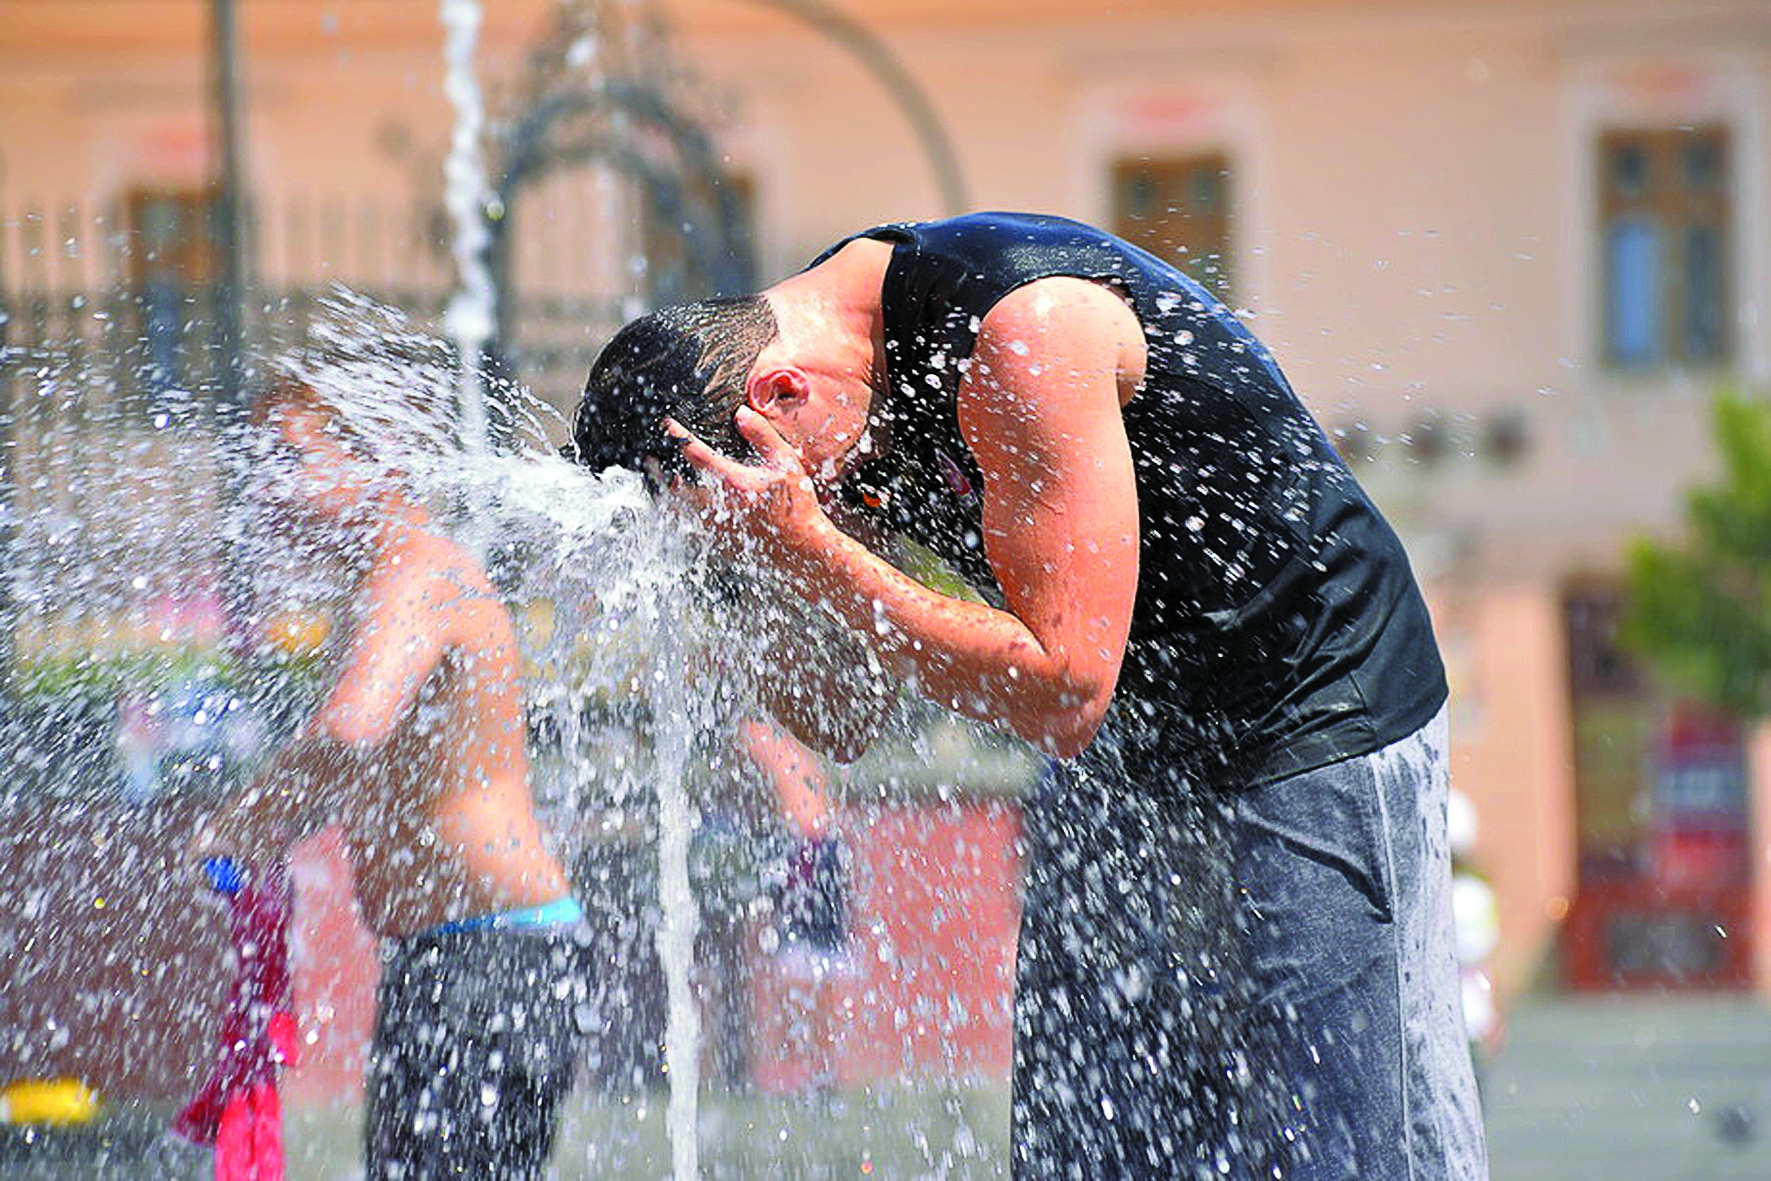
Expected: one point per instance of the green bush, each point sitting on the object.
(1700, 610)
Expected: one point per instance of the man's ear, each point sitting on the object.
(778, 388)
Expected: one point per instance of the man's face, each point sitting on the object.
(834, 418)
(820, 413)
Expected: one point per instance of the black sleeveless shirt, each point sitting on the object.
(1277, 625)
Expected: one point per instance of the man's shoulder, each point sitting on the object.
(1055, 300)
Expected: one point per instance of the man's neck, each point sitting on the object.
(833, 312)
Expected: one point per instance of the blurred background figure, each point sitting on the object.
(417, 752)
(1476, 920)
(807, 929)
(771, 885)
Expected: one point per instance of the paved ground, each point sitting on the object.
(900, 1133)
(1592, 1090)
(1607, 1089)
(1618, 1089)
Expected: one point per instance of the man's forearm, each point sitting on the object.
(970, 657)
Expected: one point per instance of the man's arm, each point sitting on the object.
(1040, 409)
(822, 682)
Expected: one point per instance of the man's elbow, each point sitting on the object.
(847, 751)
(1067, 725)
(846, 742)
(1067, 738)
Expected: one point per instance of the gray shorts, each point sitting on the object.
(1347, 871)
(1260, 984)
(477, 1037)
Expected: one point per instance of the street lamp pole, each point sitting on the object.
(229, 219)
(879, 60)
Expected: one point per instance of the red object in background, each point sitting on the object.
(1690, 858)
(928, 986)
(1671, 910)
(1644, 935)
(237, 1109)
(249, 1136)
(1699, 837)
(113, 973)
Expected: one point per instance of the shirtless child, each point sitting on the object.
(418, 754)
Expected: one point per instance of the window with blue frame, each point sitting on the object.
(1665, 226)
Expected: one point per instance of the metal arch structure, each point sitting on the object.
(631, 121)
(878, 59)
(600, 90)
(535, 148)
(532, 151)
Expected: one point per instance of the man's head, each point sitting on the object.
(800, 369)
(691, 362)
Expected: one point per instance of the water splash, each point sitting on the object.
(117, 562)
(597, 549)
(676, 940)
(472, 313)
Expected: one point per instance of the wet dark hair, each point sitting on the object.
(689, 362)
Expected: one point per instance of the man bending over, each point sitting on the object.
(1235, 955)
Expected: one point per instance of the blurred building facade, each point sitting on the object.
(1505, 250)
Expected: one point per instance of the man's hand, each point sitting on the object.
(819, 682)
(773, 503)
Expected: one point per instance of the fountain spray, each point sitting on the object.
(469, 324)
(473, 309)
